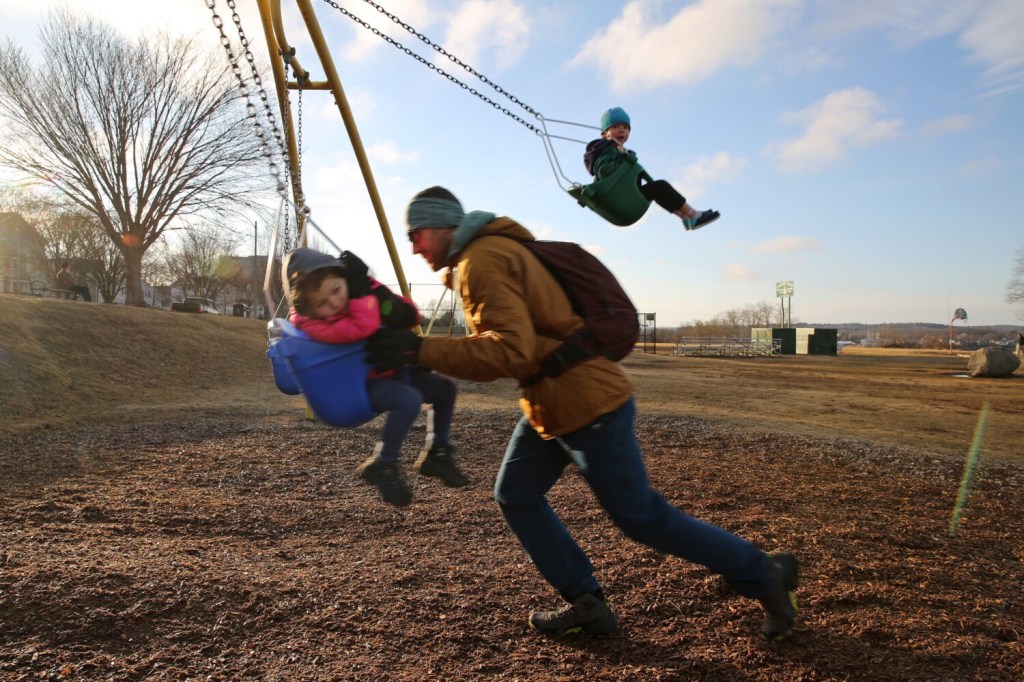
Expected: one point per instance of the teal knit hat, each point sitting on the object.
(433, 208)
(613, 116)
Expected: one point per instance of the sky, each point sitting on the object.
(869, 152)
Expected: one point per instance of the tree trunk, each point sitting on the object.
(133, 283)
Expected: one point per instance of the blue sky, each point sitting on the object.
(868, 151)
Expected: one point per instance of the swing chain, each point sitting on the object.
(440, 50)
(251, 109)
(298, 143)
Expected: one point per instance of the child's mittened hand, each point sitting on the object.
(392, 348)
(353, 264)
(358, 286)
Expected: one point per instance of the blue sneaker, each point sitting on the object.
(701, 219)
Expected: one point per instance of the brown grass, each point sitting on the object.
(67, 363)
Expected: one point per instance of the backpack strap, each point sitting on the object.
(575, 349)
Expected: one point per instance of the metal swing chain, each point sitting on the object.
(298, 154)
(251, 110)
(294, 174)
(432, 67)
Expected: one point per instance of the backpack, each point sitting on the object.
(610, 324)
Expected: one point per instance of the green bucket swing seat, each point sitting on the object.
(616, 198)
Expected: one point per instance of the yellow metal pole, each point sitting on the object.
(324, 53)
(274, 48)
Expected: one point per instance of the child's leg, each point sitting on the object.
(439, 392)
(402, 404)
(437, 457)
(664, 195)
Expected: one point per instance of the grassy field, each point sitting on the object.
(72, 363)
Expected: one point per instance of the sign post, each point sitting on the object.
(784, 291)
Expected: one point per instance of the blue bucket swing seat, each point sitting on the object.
(616, 198)
(332, 377)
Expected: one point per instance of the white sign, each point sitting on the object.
(784, 289)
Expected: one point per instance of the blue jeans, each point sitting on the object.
(401, 400)
(608, 456)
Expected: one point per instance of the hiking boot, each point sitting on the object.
(439, 462)
(780, 606)
(701, 219)
(387, 476)
(587, 614)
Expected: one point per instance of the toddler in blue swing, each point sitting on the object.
(334, 300)
(605, 154)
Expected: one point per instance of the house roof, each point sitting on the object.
(14, 228)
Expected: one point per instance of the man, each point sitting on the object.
(66, 281)
(515, 310)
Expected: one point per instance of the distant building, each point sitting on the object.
(21, 247)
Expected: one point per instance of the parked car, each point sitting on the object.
(193, 304)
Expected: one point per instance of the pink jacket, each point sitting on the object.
(358, 322)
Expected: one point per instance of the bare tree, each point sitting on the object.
(138, 134)
(201, 263)
(759, 314)
(1015, 287)
(110, 273)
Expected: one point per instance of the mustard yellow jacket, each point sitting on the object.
(507, 297)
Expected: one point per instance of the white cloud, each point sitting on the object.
(989, 30)
(501, 26)
(738, 271)
(995, 39)
(905, 23)
(843, 119)
(984, 166)
(387, 152)
(708, 170)
(359, 100)
(415, 13)
(641, 50)
(789, 245)
(133, 18)
(949, 124)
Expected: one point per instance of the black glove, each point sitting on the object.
(392, 348)
(358, 287)
(395, 312)
(356, 274)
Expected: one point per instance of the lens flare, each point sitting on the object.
(969, 465)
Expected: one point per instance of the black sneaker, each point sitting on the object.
(439, 462)
(388, 478)
(780, 607)
(703, 218)
(587, 614)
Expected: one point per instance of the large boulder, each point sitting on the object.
(992, 362)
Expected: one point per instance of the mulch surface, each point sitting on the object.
(236, 546)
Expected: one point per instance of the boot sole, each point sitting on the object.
(791, 570)
(395, 496)
(427, 469)
(597, 628)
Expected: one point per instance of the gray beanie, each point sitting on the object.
(299, 263)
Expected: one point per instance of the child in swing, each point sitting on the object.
(605, 154)
(334, 300)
